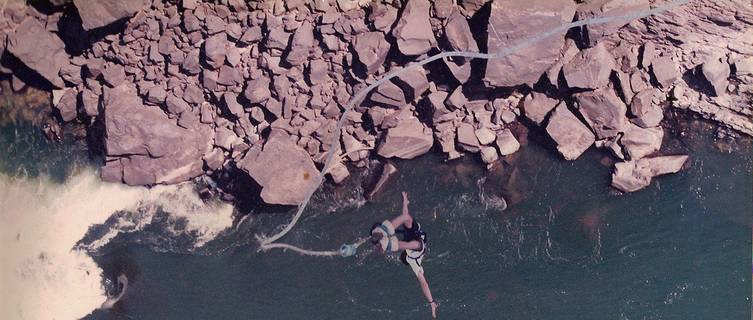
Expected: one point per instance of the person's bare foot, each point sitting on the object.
(434, 309)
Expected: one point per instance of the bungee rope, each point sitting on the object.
(347, 250)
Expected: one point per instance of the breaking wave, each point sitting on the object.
(44, 274)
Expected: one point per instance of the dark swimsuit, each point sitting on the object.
(411, 234)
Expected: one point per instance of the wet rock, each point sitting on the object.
(647, 114)
(571, 136)
(603, 111)
(215, 49)
(95, 14)
(65, 102)
(372, 49)
(513, 21)
(639, 142)
(157, 150)
(409, 139)
(605, 8)
(665, 71)
(507, 143)
(459, 33)
(635, 175)
(38, 49)
(537, 106)
(283, 170)
(716, 72)
(590, 69)
(413, 30)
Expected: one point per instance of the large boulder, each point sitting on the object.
(639, 142)
(95, 14)
(590, 69)
(413, 30)
(372, 49)
(514, 21)
(635, 175)
(716, 72)
(571, 136)
(153, 148)
(409, 139)
(38, 49)
(604, 8)
(603, 111)
(459, 33)
(283, 170)
(647, 113)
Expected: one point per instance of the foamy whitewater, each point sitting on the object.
(42, 275)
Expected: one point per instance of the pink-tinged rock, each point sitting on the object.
(372, 49)
(537, 106)
(303, 42)
(485, 136)
(514, 21)
(215, 49)
(283, 170)
(571, 136)
(158, 150)
(590, 69)
(382, 17)
(413, 30)
(257, 91)
(603, 111)
(605, 8)
(95, 14)
(338, 172)
(488, 154)
(666, 71)
(467, 139)
(716, 72)
(409, 139)
(639, 142)
(390, 94)
(89, 102)
(112, 171)
(176, 105)
(635, 175)
(459, 33)
(416, 82)
(647, 113)
(38, 49)
(278, 39)
(507, 143)
(113, 75)
(65, 102)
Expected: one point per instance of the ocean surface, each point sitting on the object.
(567, 247)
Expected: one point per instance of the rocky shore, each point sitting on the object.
(178, 89)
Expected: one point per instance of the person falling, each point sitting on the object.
(412, 247)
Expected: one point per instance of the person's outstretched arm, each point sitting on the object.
(427, 293)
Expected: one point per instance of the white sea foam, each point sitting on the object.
(41, 275)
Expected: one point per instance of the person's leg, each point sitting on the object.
(404, 218)
(413, 245)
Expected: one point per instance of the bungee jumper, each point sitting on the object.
(412, 247)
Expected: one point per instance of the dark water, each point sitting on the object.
(566, 248)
